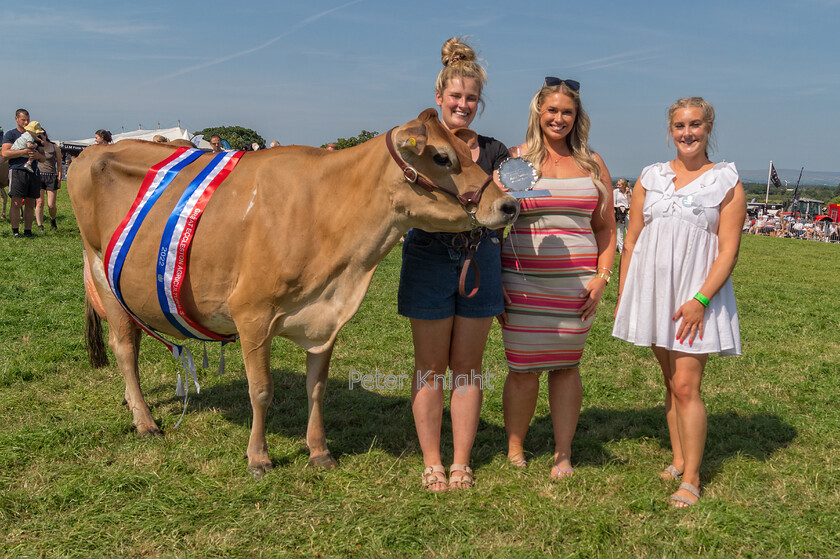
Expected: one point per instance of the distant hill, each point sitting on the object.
(816, 178)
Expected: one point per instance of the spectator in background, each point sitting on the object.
(24, 187)
(158, 139)
(215, 143)
(819, 231)
(4, 183)
(51, 173)
(274, 144)
(102, 137)
(31, 138)
(621, 203)
(785, 229)
(332, 147)
(4, 180)
(809, 230)
(769, 226)
(758, 226)
(255, 146)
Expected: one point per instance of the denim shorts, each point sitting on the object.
(431, 270)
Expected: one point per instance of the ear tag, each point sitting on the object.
(412, 142)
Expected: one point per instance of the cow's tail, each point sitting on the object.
(94, 337)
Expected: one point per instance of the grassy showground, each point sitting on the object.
(76, 481)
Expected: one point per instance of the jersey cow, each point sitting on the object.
(286, 246)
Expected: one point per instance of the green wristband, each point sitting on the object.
(702, 298)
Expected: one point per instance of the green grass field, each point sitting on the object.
(76, 481)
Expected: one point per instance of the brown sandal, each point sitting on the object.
(433, 475)
(466, 478)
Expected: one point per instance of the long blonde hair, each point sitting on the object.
(460, 61)
(576, 140)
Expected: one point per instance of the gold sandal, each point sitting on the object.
(466, 478)
(433, 475)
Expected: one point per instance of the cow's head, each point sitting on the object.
(441, 188)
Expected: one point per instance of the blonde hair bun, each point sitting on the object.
(455, 50)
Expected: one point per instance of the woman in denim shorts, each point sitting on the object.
(450, 331)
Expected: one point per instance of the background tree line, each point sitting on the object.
(242, 138)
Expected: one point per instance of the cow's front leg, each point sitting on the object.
(317, 368)
(261, 390)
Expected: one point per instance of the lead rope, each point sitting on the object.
(471, 246)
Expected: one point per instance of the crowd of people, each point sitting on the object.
(679, 230)
(35, 172)
(825, 231)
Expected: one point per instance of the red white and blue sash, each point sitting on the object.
(175, 243)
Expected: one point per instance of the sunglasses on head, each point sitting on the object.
(551, 81)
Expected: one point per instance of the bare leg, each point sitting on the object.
(664, 358)
(5, 200)
(28, 213)
(469, 336)
(431, 358)
(51, 204)
(317, 369)
(15, 211)
(39, 209)
(691, 414)
(686, 377)
(519, 400)
(565, 395)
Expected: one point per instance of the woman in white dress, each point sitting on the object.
(675, 293)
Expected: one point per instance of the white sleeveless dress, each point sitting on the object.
(671, 260)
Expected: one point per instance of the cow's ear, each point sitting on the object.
(467, 136)
(411, 137)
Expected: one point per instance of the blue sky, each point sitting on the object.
(309, 72)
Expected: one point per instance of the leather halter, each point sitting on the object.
(468, 200)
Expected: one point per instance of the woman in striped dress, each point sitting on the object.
(556, 262)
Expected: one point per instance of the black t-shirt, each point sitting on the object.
(17, 162)
(492, 153)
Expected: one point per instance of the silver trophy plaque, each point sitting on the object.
(519, 176)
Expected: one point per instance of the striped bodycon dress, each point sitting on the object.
(547, 260)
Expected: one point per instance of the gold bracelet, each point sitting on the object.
(603, 276)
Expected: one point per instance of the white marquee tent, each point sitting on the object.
(169, 133)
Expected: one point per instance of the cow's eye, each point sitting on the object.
(442, 160)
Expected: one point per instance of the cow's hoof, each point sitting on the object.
(323, 461)
(260, 470)
(148, 430)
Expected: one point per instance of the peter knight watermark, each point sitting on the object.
(430, 380)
